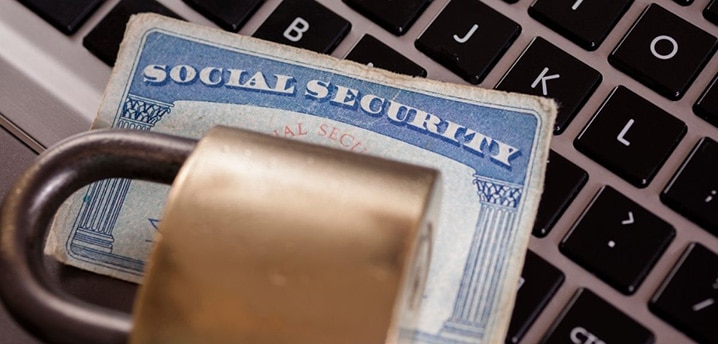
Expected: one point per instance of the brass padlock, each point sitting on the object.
(264, 241)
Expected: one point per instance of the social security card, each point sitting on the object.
(491, 148)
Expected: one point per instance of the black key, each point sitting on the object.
(618, 240)
(693, 190)
(511, 1)
(545, 70)
(684, 2)
(586, 23)
(711, 12)
(227, 14)
(688, 298)
(562, 183)
(67, 16)
(589, 319)
(304, 24)
(630, 136)
(539, 282)
(707, 105)
(663, 51)
(104, 40)
(370, 51)
(396, 16)
(468, 37)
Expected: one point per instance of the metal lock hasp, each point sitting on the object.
(264, 240)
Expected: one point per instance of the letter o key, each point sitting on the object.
(664, 56)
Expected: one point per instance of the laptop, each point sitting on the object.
(625, 248)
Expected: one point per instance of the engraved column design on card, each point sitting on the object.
(474, 301)
(92, 233)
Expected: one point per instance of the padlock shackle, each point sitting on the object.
(29, 207)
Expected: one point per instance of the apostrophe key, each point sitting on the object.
(547, 71)
(104, 40)
(370, 51)
(618, 240)
(590, 319)
(468, 38)
(67, 16)
(688, 298)
(693, 190)
(562, 183)
(304, 24)
(539, 282)
(630, 136)
(663, 51)
(586, 23)
(396, 16)
(229, 15)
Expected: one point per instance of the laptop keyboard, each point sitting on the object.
(624, 249)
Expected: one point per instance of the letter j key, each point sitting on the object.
(664, 52)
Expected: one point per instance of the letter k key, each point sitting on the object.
(545, 70)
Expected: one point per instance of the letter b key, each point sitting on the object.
(664, 52)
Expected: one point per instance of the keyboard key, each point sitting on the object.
(396, 16)
(104, 40)
(711, 12)
(630, 136)
(227, 14)
(618, 240)
(539, 282)
(468, 38)
(562, 183)
(693, 190)
(684, 2)
(589, 319)
(707, 105)
(67, 16)
(304, 24)
(688, 298)
(545, 70)
(586, 23)
(663, 51)
(370, 51)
